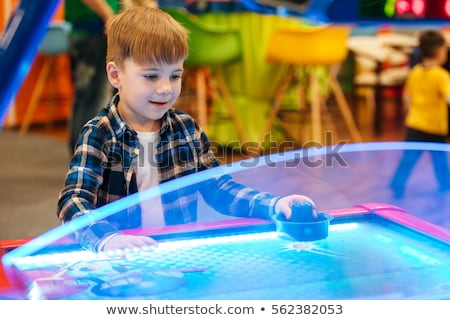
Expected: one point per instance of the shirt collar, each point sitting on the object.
(120, 126)
(166, 122)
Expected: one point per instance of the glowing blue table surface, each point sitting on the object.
(369, 254)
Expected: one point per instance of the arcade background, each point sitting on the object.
(32, 166)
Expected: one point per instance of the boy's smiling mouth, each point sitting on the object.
(159, 103)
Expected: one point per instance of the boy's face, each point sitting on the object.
(146, 92)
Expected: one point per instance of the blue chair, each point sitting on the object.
(55, 42)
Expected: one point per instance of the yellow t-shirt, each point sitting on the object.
(428, 88)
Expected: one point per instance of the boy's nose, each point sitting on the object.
(164, 87)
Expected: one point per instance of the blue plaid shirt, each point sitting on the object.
(102, 170)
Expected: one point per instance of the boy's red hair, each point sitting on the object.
(147, 36)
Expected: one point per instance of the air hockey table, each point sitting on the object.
(373, 251)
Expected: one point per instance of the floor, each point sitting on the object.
(33, 169)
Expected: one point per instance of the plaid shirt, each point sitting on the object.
(103, 168)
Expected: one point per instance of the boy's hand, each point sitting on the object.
(123, 242)
(284, 204)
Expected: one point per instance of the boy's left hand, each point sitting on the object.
(128, 242)
(284, 204)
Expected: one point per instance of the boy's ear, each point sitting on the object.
(112, 72)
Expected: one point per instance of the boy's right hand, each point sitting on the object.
(123, 241)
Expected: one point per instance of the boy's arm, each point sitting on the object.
(84, 176)
(79, 195)
(446, 87)
(226, 195)
(232, 198)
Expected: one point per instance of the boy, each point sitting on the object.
(426, 96)
(145, 54)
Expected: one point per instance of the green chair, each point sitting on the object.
(210, 46)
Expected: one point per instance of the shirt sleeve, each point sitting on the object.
(226, 195)
(407, 85)
(205, 155)
(444, 83)
(229, 197)
(79, 195)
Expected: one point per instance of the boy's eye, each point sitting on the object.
(151, 76)
(176, 76)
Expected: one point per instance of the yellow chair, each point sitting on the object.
(311, 46)
(210, 47)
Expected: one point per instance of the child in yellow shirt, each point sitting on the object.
(426, 97)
